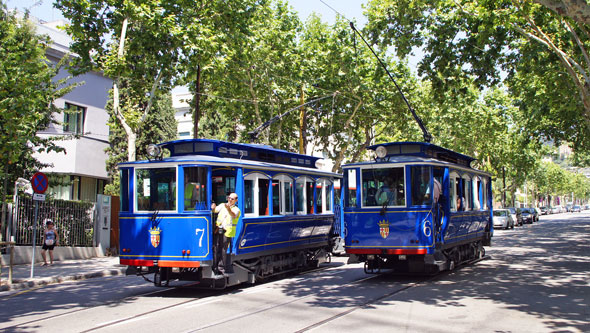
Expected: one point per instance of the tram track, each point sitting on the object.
(242, 315)
(203, 299)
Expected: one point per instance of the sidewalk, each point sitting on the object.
(61, 271)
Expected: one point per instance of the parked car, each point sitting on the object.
(503, 219)
(586, 207)
(555, 209)
(568, 207)
(527, 215)
(544, 210)
(515, 218)
(577, 209)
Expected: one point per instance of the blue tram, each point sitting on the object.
(417, 208)
(288, 209)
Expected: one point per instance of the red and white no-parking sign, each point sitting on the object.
(39, 182)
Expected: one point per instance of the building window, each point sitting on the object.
(74, 118)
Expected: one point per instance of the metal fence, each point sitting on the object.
(73, 221)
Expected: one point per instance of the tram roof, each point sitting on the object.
(420, 151)
(218, 151)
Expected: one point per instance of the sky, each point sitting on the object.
(351, 9)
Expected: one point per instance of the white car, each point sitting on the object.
(503, 219)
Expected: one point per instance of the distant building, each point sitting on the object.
(80, 173)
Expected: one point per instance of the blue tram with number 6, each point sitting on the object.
(288, 209)
(417, 208)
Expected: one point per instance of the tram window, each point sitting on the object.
(156, 189)
(304, 189)
(256, 186)
(328, 195)
(276, 197)
(319, 190)
(300, 196)
(383, 187)
(248, 196)
(324, 196)
(309, 197)
(263, 196)
(282, 195)
(350, 188)
(484, 195)
(124, 190)
(467, 192)
(476, 193)
(195, 189)
(222, 187)
(421, 188)
(453, 194)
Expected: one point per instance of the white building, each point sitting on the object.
(82, 168)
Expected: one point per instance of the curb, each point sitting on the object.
(20, 284)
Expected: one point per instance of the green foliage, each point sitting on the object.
(538, 53)
(27, 93)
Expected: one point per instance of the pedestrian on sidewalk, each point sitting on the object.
(50, 239)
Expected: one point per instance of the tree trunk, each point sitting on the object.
(4, 186)
(197, 104)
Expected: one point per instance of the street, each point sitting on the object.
(535, 278)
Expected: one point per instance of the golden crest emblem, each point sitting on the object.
(384, 228)
(155, 236)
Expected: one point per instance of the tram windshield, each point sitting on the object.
(155, 189)
(383, 187)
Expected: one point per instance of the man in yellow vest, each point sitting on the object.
(227, 220)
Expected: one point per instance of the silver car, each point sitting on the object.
(503, 219)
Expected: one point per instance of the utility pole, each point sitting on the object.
(302, 124)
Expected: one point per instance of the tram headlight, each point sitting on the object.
(154, 151)
(381, 151)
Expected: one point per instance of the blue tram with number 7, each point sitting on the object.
(416, 208)
(288, 209)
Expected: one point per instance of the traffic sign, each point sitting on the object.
(39, 182)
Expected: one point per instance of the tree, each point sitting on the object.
(149, 44)
(160, 126)
(27, 93)
(539, 48)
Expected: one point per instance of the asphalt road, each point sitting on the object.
(535, 278)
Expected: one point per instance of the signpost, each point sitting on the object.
(39, 183)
